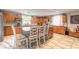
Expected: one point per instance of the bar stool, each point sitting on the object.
(41, 35)
(46, 30)
(22, 42)
(33, 38)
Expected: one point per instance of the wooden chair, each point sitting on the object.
(22, 43)
(33, 38)
(46, 30)
(41, 35)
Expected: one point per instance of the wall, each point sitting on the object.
(57, 20)
(1, 27)
(72, 26)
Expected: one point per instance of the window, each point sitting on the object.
(57, 20)
(26, 20)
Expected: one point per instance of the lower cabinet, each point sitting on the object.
(74, 34)
(59, 29)
(8, 30)
(18, 29)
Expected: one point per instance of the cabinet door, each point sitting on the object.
(8, 30)
(18, 30)
(35, 19)
(40, 19)
(61, 30)
(55, 29)
(9, 17)
(45, 19)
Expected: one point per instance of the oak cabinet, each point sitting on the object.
(35, 19)
(45, 19)
(8, 30)
(39, 19)
(55, 29)
(59, 29)
(74, 34)
(9, 18)
(18, 29)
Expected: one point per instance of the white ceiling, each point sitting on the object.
(42, 12)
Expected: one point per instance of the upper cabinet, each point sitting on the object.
(35, 19)
(40, 19)
(46, 19)
(10, 17)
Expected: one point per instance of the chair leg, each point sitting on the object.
(37, 44)
(29, 43)
(46, 37)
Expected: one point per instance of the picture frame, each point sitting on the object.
(74, 19)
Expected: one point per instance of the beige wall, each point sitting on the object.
(72, 26)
